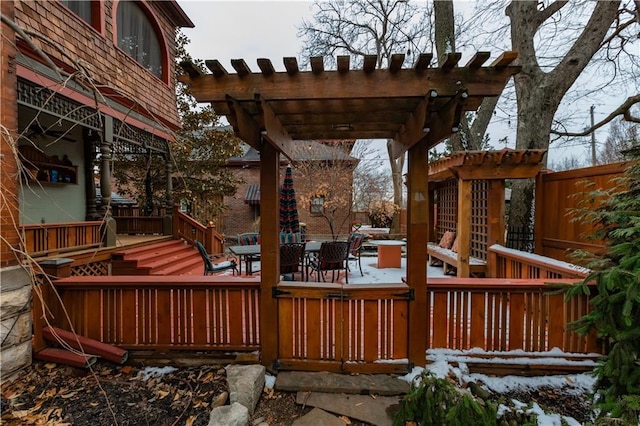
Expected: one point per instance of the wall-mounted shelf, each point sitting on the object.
(47, 169)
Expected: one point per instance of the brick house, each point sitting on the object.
(243, 209)
(81, 80)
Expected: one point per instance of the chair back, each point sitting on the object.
(291, 257)
(333, 255)
(249, 239)
(355, 243)
(208, 264)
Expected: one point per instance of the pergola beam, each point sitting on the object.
(353, 84)
(276, 134)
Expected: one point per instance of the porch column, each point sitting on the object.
(109, 233)
(417, 237)
(270, 252)
(89, 138)
(169, 171)
(464, 227)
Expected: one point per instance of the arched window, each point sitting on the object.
(137, 37)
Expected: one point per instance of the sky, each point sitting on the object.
(249, 30)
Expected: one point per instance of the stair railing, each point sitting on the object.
(186, 227)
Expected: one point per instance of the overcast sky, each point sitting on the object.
(248, 30)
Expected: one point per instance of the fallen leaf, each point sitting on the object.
(190, 421)
(126, 369)
(163, 394)
(345, 419)
(50, 365)
(373, 396)
(68, 395)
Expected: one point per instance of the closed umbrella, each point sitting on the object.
(289, 221)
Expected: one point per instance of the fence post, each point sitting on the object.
(44, 300)
(209, 239)
(538, 218)
(176, 222)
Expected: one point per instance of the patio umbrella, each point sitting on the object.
(289, 221)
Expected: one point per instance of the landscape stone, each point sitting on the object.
(362, 384)
(235, 414)
(369, 409)
(318, 417)
(246, 383)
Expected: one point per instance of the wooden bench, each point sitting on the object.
(449, 260)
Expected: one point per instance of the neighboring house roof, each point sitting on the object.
(302, 151)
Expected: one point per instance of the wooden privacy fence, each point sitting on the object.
(52, 238)
(162, 312)
(503, 314)
(557, 194)
(510, 263)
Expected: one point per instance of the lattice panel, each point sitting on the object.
(91, 269)
(447, 219)
(479, 218)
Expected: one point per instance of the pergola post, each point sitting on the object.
(464, 227)
(269, 252)
(496, 212)
(417, 236)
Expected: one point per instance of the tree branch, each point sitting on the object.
(624, 109)
(548, 11)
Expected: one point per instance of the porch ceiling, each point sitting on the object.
(407, 105)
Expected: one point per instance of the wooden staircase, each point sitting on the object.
(175, 257)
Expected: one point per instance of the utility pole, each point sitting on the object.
(593, 139)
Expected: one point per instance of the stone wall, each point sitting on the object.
(15, 320)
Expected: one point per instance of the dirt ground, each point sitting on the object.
(53, 394)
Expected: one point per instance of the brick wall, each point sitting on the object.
(239, 216)
(108, 64)
(8, 161)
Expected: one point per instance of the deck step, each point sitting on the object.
(136, 252)
(165, 258)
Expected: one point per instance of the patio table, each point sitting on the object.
(389, 253)
(254, 249)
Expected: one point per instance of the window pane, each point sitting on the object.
(80, 8)
(137, 37)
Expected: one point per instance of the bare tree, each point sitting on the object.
(371, 182)
(325, 177)
(567, 163)
(622, 136)
(539, 90)
(380, 27)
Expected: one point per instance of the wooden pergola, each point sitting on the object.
(416, 107)
(471, 197)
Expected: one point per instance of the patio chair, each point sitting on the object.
(331, 257)
(212, 268)
(292, 259)
(249, 239)
(355, 249)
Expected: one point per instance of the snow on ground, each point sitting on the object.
(571, 383)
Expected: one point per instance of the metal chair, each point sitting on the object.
(331, 257)
(212, 268)
(355, 249)
(292, 259)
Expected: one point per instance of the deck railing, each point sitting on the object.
(329, 326)
(187, 228)
(52, 238)
(162, 312)
(504, 262)
(505, 314)
(139, 225)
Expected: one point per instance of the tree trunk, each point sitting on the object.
(539, 93)
(396, 174)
